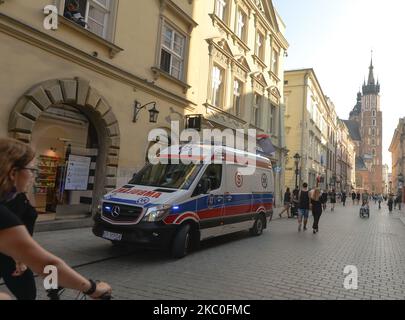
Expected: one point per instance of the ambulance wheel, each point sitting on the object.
(258, 227)
(182, 242)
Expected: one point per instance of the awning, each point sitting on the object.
(265, 146)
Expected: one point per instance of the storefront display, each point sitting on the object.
(45, 193)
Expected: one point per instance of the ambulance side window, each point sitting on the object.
(210, 181)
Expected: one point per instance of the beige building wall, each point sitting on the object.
(306, 127)
(397, 149)
(104, 75)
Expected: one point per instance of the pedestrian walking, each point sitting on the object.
(17, 277)
(324, 199)
(303, 207)
(344, 197)
(316, 205)
(287, 203)
(399, 202)
(354, 197)
(380, 200)
(16, 167)
(358, 197)
(365, 197)
(390, 202)
(295, 202)
(333, 199)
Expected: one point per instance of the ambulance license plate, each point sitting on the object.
(112, 236)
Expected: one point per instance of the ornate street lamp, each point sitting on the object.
(297, 159)
(153, 113)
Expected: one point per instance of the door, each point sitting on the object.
(238, 201)
(210, 203)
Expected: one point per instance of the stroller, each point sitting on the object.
(365, 210)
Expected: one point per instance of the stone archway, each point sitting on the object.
(78, 93)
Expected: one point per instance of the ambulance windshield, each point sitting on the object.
(172, 176)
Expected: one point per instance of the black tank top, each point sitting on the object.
(304, 200)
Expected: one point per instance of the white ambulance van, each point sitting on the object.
(177, 205)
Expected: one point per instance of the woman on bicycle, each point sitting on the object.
(16, 173)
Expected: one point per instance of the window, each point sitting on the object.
(241, 25)
(374, 113)
(217, 86)
(274, 63)
(212, 179)
(220, 9)
(373, 142)
(373, 132)
(256, 117)
(374, 153)
(272, 126)
(374, 122)
(260, 45)
(93, 15)
(237, 97)
(172, 53)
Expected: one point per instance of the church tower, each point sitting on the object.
(372, 132)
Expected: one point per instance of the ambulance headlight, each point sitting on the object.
(157, 213)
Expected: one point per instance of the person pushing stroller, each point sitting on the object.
(365, 208)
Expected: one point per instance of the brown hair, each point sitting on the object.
(316, 194)
(13, 154)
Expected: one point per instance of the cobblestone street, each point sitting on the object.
(282, 264)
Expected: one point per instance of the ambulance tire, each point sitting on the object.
(182, 242)
(259, 225)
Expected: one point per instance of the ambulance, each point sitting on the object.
(174, 204)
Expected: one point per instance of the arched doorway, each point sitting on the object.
(70, 123)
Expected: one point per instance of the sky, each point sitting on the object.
(336, 37)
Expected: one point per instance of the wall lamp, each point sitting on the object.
(153, 113)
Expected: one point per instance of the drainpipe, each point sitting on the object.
(303, 122)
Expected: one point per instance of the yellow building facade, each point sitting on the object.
(397, 149)
(93, 83)
(306, 128)
(315, 134)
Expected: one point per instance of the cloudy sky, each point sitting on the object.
(336, 37)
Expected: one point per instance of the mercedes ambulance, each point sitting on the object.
(174, 205)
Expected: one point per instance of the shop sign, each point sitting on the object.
(77, 174)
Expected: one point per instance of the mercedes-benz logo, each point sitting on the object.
(116, 211)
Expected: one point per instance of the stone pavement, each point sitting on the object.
(281, 264)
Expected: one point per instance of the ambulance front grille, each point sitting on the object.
(121, 213)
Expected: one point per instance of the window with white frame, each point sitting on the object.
(272, 126)
(93, 15)
(260, 45)
(257, 105)
(374, 114)
(241, 25)
(237, 97)
(172, 52)
(220, 9)
(374, 122)
(274, 63)
(217, 86)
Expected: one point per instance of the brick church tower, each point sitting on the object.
(371, 132)
(365, 126)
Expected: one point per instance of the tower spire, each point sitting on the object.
(371, 80)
